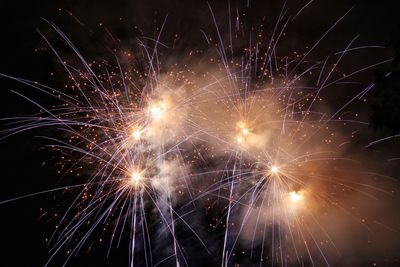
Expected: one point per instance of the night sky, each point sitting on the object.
(28, 168)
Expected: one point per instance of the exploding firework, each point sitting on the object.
(250, 132)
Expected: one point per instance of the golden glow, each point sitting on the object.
(157, 111)
(241, 124)
(295, 196)
(274, 169)
(245, 131)
(136, 134)
(136, 177)
(243, 128)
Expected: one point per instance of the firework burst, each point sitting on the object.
(249, 132)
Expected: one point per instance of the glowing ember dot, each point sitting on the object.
(239, 139)
(295, 197)
(274, 169)
(135, 177)
(245, 131)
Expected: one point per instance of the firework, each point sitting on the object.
(251, 133)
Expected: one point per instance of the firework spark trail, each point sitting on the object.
(113, 153)
(255, 114)
(322, 83)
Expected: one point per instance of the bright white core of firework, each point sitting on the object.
(274, 169)
(136, 134)
(295, 197)
(136, 177)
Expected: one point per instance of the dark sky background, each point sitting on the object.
(26, 168)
